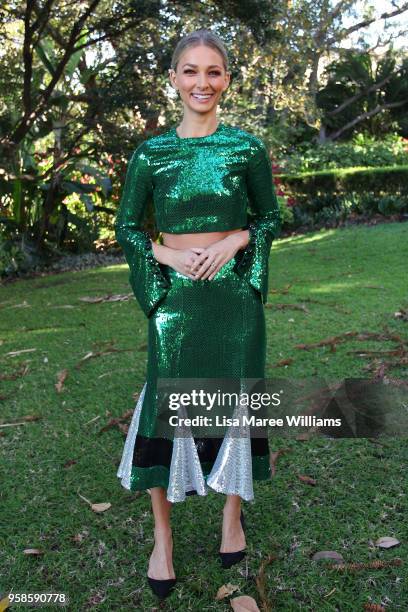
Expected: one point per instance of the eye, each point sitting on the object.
(216, 72)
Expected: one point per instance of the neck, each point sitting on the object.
(193, 127)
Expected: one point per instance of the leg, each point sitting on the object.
(233, 537)
(161, 560)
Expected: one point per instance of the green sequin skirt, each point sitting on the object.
(201, 329)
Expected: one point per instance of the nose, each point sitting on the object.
(202, 81)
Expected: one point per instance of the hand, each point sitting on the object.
(183, 259)
(216, 255)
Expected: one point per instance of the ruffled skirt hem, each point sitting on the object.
(232, 472)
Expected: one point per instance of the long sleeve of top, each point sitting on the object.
(265, 220)
(212, 183)
(146, 277)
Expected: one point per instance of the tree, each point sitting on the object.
(359, 91)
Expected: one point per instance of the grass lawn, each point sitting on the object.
(352, 279)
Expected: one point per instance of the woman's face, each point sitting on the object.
(200, 70)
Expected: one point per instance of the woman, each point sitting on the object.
(203, 291)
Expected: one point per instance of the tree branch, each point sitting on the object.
(363, 24)
(360, 94)
(367, 115)
(27, 121)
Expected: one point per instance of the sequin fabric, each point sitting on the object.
(125, 468)
(198, 328)
(222, 181)
(202, 329)
(231, 473)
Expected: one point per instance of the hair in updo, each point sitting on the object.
(199, 37)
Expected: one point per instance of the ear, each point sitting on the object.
(228, 75)
(171, 78)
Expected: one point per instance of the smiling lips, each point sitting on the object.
(201, 97)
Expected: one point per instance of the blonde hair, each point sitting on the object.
(200, 37)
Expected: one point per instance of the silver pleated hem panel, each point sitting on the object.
(231, 473)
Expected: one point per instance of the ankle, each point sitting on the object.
(232, 510)
(163, 532)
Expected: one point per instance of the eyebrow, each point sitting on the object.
(195, 65)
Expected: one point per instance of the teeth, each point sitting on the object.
(201, 96)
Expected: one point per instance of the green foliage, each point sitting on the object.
(105, 97)
(327, 183)
(359, 88)
(329, 209)
(362, 150)
(391, 204)
(12, 258)
(285, 210)
(81, 234)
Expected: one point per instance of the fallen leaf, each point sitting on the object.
(101, 507)
(96, 507)
(244, 603)
(387, 542)
(61, 377)
(225, 590)
(328, 554)
(307, 479)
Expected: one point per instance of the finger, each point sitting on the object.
(199, 272)
(198, 262)
(215, 270)
(195, 258)
(218, 267)
(207, 266)
(188, 273)
(211, 271)
(198, 257)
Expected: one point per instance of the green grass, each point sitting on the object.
(360, 495)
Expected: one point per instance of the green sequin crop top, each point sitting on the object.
(218, 182)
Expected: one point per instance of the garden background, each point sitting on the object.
(325, 85)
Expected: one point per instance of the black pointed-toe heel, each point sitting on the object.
(162, 588)
(231, 558)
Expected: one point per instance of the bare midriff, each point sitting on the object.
(201, 239)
